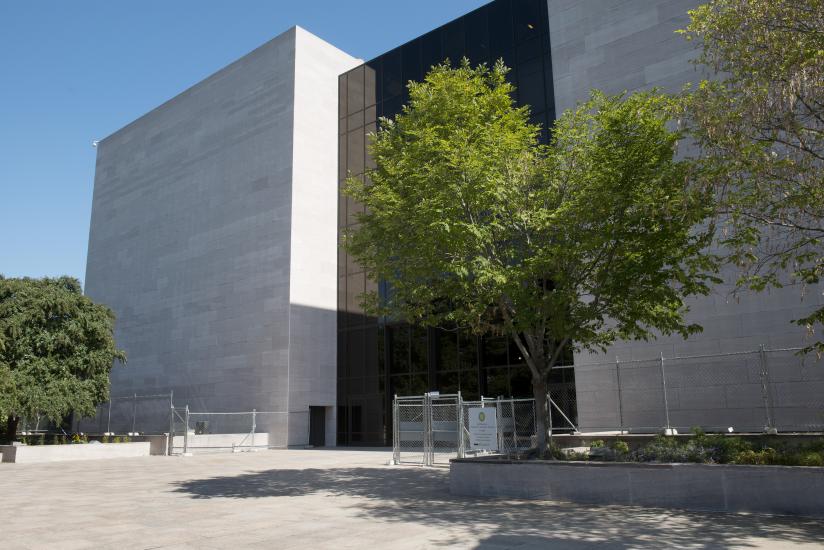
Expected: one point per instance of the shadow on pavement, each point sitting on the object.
(422, 496)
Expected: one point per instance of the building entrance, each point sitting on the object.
(317, 426)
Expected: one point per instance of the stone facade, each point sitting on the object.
(213, 238)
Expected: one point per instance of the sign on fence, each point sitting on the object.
(483, 429)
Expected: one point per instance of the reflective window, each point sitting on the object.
(477, 36)
(354, 94)
(392, 81)
(411, 62)
(431, 51)
(453, 41)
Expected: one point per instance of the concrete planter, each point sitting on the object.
(786, 490)
(29, 454)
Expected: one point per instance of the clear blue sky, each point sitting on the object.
(75, 71)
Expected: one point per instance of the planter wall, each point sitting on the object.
(787, 490)
(57, 453)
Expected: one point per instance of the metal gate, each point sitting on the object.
(428, 429)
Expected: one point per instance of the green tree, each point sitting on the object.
(56, 350)
(473, 223)
(760, 126)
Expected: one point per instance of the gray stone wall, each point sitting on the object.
(192, 232)
(626, 45)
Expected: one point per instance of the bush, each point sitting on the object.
(620, 447)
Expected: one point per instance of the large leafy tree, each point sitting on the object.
(760, 125)
(56, 350)
(473, 223)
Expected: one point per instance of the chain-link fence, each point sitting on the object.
(129, 414)
(764, 390)
(431, 429)
(205, 432)
(427, 429)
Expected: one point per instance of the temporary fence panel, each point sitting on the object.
(763, 390)
(206, 432)
(445, 422)
(129, 414)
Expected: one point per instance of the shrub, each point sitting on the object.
(597, 444)
(620, 447)
(117, 439)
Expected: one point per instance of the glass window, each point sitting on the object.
(392, 84)
(449, 382)
(355, 353)
(528, 23)
(520, 380)
(419, 384)
(469, 384)
(515, 356)
(354, 121)
(342, 96)
(370, 116)
(369, 86)
(447, 350)
(354, 90)
(411, 62)
(497, 382)
(355, 152)
(468, 350)
(453, 41)
(371, 358)
(477, 36)
(400, 385)
(531, 91)
(392, 107)
(399, 341)
(354, 288)
(419, 349)
(342, 171)
(501, 37)
(377, 66)
(381, 351)
(529, 50)
(494, 351)
(431, 50)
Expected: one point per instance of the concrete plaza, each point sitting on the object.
(331, 499)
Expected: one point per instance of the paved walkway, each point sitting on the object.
(331, 499)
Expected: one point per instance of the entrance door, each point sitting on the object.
(317, 426)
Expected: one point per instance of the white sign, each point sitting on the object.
(483, 429)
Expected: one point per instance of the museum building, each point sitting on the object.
(216, 219)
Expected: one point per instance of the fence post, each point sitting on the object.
(620, 397)
(254, 426)
(459, 426)
(396, 425)
(109, 419)
(134, 412)
(186, 433)
(769, 426)
(170, 442)
(666, 402)
(428, 459)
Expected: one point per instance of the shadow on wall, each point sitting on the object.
(422, 496)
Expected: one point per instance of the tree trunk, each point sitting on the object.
(11, 427)
(541, 415)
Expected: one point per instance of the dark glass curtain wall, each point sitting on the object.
(376, 360)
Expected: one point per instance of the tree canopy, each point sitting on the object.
(473, 222)
(56, 349)
(760, 126)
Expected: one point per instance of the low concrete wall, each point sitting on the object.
(57, 453)
(786, 490)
